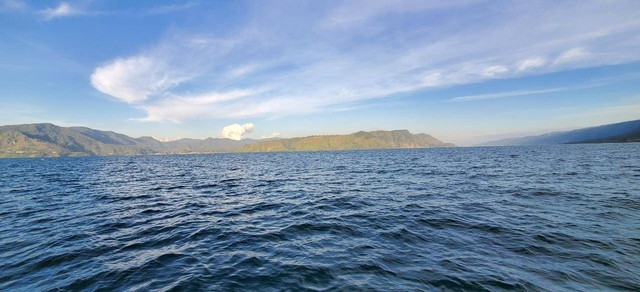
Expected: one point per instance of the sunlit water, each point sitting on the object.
(539, 218)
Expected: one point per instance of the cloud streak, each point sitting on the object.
(286, 60)
(592, 83)
(508, 94)
(165, 9)
(63, 9)
(270, 136)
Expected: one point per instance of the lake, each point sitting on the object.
(563, 217)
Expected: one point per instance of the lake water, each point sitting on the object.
(538, 218)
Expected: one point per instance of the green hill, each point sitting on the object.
(359, 140)
(43, 140)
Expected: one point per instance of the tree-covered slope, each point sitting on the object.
(16, 144)
(359, 140)
(51, 140)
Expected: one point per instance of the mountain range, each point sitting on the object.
(612, 133)
(48, 140)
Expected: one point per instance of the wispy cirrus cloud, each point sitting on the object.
(178, 108)
(516, 93)
(505, 94)
(12, 5)
(63, 9)
(531, 63)
(60, 10)
(298, 59)
(133, 80)
(572, 55)
(172, 8)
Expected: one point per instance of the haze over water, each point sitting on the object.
(550, 217)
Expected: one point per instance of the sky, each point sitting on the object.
(463, 71)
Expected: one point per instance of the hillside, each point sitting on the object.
(42, 140)
(48, 140)
(188, 145)
(611, 133)
(359, 140)
(633, 136)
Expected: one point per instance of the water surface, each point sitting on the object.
(538, 218)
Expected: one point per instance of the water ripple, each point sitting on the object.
(514, 218)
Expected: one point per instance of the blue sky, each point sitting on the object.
(463, 71)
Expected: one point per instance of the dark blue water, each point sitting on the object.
(526, 218)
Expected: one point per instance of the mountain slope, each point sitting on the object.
(618, 132)
(35, 140)
(359, 140)
(46, 140)
(633, 136)
(14, 143)
(188, 145)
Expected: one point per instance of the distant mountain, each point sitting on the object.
(611, 133)
(188, 145)
(48, 140)
(359, 140)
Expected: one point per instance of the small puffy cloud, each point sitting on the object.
(269, 136)
(572, 55)
(236, 131)
(531, 63)
(63, 9)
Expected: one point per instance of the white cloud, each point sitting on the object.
(166, 139)
(354, 13)
(495, 71)
(269, 136)
(572, 55)
(433, 79)
(237, 131)
(531, 63)
(296, 59)
(135, 79)
(178, 108)
(62, 10)
(170, 8)
(507, 94)
(591, 84)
